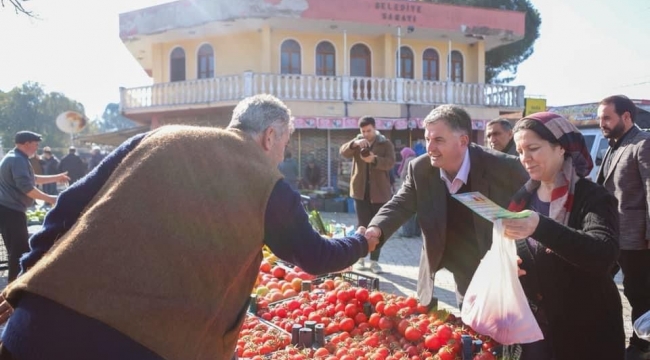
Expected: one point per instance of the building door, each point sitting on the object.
(361, 66)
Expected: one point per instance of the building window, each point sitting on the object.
(406, 63)
(430, 61)
(456, 66)
(325, 59)
(205, 64)
(360, 64)
(177, 65)
(290, 57)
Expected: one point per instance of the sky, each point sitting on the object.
(587, 50)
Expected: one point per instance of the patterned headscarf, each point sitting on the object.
(577, 164)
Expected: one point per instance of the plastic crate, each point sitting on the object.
(353, 277)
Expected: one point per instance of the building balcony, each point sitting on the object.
(227, 90)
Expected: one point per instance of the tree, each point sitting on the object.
(18, 7)
(112, 120)
(501, 63)
(29, 107)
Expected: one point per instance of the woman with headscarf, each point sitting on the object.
(569, 245)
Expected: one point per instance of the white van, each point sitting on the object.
(597, 145)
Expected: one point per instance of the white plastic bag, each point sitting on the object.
(495, 303)
(642, 326)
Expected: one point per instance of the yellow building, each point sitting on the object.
(331, 61)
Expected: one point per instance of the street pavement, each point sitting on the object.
(400, 258)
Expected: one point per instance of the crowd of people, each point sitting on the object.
(169, 228)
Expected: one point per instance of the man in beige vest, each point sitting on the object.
(154, 255)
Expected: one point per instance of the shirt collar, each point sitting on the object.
(463, 172)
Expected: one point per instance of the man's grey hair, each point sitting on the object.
(255, 114)
(455, 116)
(505, 124)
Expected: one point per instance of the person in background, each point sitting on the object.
(625, 172)
(373, 158)
(410, 228)
(312, 177)
(73, 165)
(498, 133)
(17, 193)
(168, 230)
(453, 237)
(289, 168)
(568, 244)
(50, 167)
(95, 158)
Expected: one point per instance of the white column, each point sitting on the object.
(345, 52)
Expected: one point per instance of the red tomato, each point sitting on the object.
(360, 318)
(444, 332)
(445, 353)
(343, 296)
(433, 342)
(374, 320)
(484, 355)
(278, 272)
(379, 307)
(322, 352)
(362, 295)
(385, 323)
(391, 309)
(347, 324)
(412, 334)
(351, 310)
(402, 325)
(375, 297)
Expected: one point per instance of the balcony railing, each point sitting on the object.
(318, 88)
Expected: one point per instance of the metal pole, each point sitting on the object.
(329, 162)
(399, 51)
(299, 156)
(449, 77)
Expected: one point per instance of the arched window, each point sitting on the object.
(205, 62)
(290, 57)
(360, 62)
(430, 61)
(177, 65)
(406, 63)
(325, 59)
(456, 66)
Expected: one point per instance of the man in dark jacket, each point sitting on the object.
(95, 158)
(50, 167)
(73, 164)
(454, 237)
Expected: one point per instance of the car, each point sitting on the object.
(597, 145)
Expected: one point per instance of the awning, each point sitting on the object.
(113, 138)
(341, 123)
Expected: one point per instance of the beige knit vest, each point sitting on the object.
(169, 249)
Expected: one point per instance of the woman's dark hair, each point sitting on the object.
(537, 127)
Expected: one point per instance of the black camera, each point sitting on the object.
(365, 152)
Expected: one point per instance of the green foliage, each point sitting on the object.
(112, 120)
(29, 107)
(501, 63)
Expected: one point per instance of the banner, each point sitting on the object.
(534, 105)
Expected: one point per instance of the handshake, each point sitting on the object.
(372, 235)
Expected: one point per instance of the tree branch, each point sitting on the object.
(18, 7)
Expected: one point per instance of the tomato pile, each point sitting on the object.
(275, 282)
(363, 324)
(258, 338)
